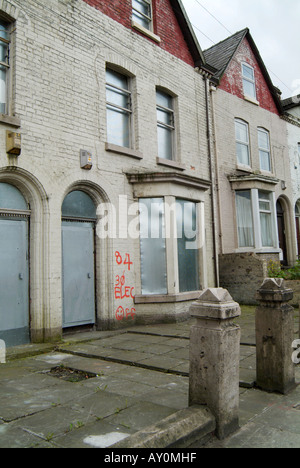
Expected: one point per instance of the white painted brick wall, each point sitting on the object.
(227, 108)
(60, 50)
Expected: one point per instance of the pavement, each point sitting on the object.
(129, 389)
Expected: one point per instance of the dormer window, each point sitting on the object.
(248, 81)
(142, 13)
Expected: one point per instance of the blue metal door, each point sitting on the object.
(14, 282)
(78, 273)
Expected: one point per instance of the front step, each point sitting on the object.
(179, 430)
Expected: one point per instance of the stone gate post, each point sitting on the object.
(274, 323)
(215, 357)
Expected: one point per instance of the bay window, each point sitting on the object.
(168, 246)
(153, 246)
(244, 218)
(266, 219)
(186, 218)
(256, 221)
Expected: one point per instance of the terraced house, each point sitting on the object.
(291, 108)
(256, 221)
(135, 168)
(104, 159)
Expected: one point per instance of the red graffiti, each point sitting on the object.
(120, 314)
(123, 291)
(128, 313)
(127, 261)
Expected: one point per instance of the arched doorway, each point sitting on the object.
(281, 232)
(14, 266)
(78, 260)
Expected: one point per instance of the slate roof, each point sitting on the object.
(291, 102)
(220, 55)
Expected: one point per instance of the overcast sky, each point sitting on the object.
(274, 26)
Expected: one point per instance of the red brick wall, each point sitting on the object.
(232, 80)
(165, 24)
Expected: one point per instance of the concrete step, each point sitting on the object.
(179, 430)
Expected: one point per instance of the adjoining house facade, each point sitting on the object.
(103, 162)
(253, 180)
(291, 108)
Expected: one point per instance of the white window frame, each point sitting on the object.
(248, 80)
(256, 197)
(136, 13)
(169, 238)
(115, 107)
(243, 143)
(264, 150)
(167, 127)
(6, 64)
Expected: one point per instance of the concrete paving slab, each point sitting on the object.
(141, 415)
(100, 434)
(136, 384)
(55, 422)
(16, 437)
(168, 397)
(124, 387)
(254, 435)
(161, 362)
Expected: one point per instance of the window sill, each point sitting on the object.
(161, 298)
(123, 150)
(244, 168)
(10, 120)
(145, 31)
(251, 99)
(263, 250)
(266, 173)
(170, 163)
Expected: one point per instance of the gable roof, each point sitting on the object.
(188, 32)
(220, 55)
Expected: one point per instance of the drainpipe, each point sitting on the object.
(212, 90)
(212, 178)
